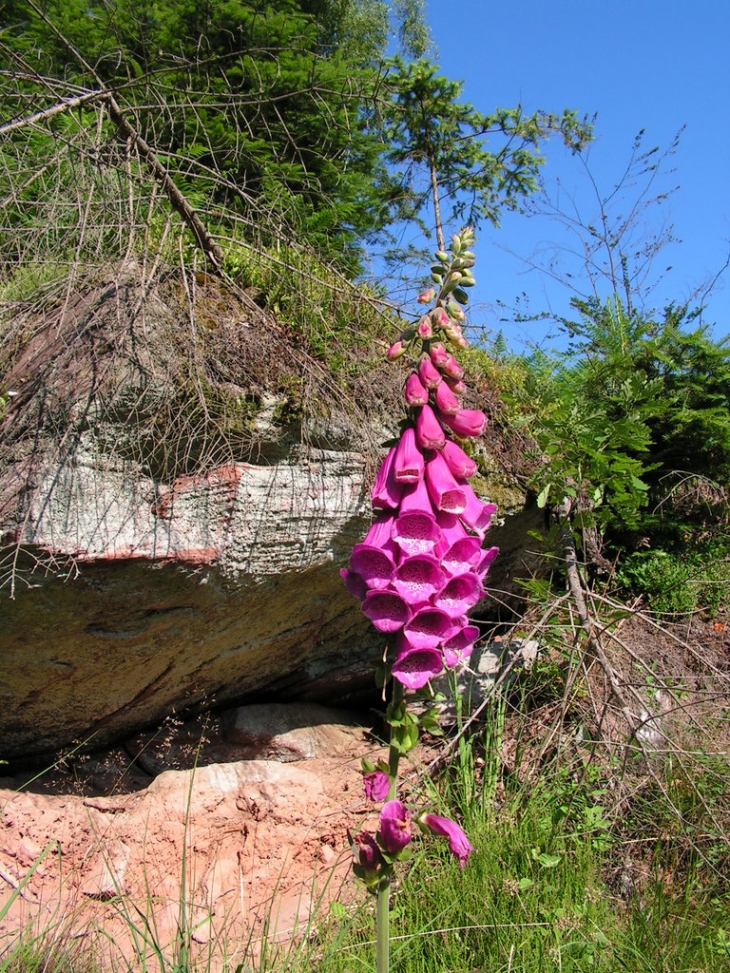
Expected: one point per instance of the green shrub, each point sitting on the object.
(677, 583)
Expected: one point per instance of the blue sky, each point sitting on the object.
(644, 64)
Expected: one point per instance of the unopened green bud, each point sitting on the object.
(441, 256)
(460, 295)
(456, 244)
(437, 279)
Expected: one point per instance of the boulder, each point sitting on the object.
(176, 503)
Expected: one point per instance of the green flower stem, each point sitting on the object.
(382, 909)
(394, 752)
(382, 923)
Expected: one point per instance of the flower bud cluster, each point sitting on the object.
(421, 567)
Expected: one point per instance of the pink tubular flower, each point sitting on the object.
(429, 627)
(386, 610)
(413, 668)
(486, 559)
(386, 492)
(459, 844)
(373, 565)
(396, 827)
(446, 401)
(373, 559)
(439, 354)
(462, 556)
(429, 434)
(415, 391)
(457, 387)
(429, 374)
(446, 494)
(452, 369)
(408, 463)
(415, 530)
(459, 594)
(467, 422)
(477, 514)
(459, 647)
(425, 297)
(424, 329)
(376, 785)
(460, 464)
(452, 530)
(417, 578)
(366, 852)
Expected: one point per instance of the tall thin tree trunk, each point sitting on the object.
(436, 205)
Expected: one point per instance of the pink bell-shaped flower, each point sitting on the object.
(373, 565)
(367, 853)
(413, 668)
(477, 514)
(445, 492)
(467, 423)
(486, 559)
(386, 610)
(415, 392)
(376, 785)
(429, 627)
(459, 462)
(459, 594)
(418, 578)
(415, 529)
(461, 557)
(429, 434)
(459, 844)
(439, 354)
(460, 646)
(429, 374)
(408, 463)
(445, 400)
(386, 491)
(452, 530)
(396, 827)
(452, 369)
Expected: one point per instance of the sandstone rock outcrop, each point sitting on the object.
(180, 483)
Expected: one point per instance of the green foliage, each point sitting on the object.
(628, 421)
(680, 582)
(429, 131)
(241, 103)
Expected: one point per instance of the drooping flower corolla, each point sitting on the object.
(416, 530)
(408, 462)
(429, 431)
(376, 785)
(446, 492)
(396, 827)
(366, 851)
(467, 422)
(415, 392)
(414, 667)
(459, 462)
(459, 844)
